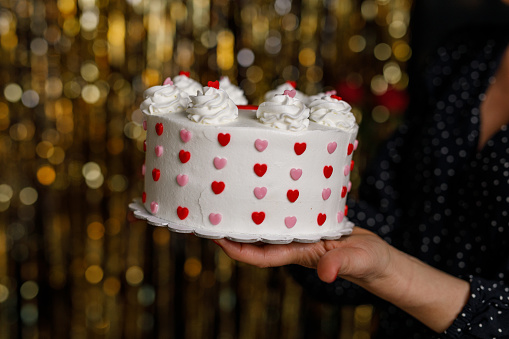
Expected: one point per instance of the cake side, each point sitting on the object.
(246, 178)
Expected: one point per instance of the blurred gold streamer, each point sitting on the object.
(73, 74)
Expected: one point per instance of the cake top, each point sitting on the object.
(287, 86)
(186, 84)
(285, 112)
(332, 111)
(212, 106)
(164, 99)
(234, 92)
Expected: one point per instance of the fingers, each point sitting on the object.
(331, 264)
(265, 255)
(131, 217)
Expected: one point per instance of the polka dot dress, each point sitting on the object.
(433, 195)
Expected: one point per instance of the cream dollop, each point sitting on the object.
(212, 107)
(332, 112)
(282, 88)
(312, 98)
(284, 112)
(187, 85)
(164, 99)
(234, 92)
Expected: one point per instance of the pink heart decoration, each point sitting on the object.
(355, 144)
(168, 81)
(154, 207)
(261, 145)
(143, 169)
(290, 92)
(331, 147)
(260, 192)
(182, 179)
(220, 163)
(341, 215)
(185, 135)
(159, 150)
(326, 193)
(145, 125)
(215, 218)
(346, 171)
(290, 221)
(295, 173)
(349, 186)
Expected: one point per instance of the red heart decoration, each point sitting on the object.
(346, 210)
(336, 97)
(292, 195)
(224, 139)
(159, 128)
(184, 156)
(343, 192)
(258, 217)
(351, 165)
(327, 171)
(144, 197)
(292, 83)
(144, 145)
(187, 74)
(321, 219)
(214, 84)
(156, 174)
(260, 169)
(218, 187)
(182, 212)
(299, 148)
(350, 149)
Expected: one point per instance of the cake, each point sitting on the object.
(234, 92)
(279, 173)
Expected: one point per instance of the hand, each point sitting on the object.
(432, 296)
(360, 255)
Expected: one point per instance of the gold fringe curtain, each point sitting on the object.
(71, 79)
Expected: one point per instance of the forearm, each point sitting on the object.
(433, 297)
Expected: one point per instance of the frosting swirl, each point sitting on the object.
(281, 89)
(213, 107)
(187, 85)
(332, 112)
(234, 92)
(284, 112)
(164, 99)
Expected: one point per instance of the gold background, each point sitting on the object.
(71, 80)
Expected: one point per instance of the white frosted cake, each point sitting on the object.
(277, 174)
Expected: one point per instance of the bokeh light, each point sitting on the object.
(72, 136)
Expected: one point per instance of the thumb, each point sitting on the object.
(334, 263)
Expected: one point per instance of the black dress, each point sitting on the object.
(432, 194)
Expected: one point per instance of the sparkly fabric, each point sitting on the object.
(431, 194)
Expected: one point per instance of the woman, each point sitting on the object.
(434, 208)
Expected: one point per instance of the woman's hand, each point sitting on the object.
(432, 296)
(360, 255)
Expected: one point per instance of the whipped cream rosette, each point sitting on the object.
(186, 84)
(287, 86)
(285, 112)
(312, 98)
(332, 111)
(164, 99)
(234, 92)
(213, 106)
